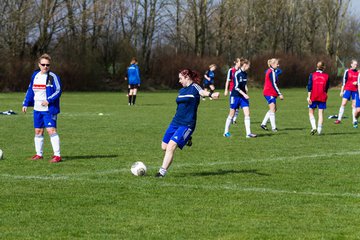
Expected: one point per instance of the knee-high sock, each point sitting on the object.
(319, 129)
(133, 99)
(130, 99)
(247, 125)
(341, 112)
(39, 142)
(227, 124)
(313, 122)
(266, 118)
(272, 120)
(354, 114)
(236, 115)
(55, 142)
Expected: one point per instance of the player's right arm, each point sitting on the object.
(228, 79)
(309, 87)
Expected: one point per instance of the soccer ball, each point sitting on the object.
(138, 169)
(1, 154)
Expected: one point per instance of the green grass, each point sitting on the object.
(285, 185)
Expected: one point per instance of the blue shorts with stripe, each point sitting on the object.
(238, 102)
(44, 119)
(270, 99)
(357, 103)
(320, 105)
(179, 134)
(350, 95)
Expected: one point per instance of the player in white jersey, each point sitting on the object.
(44, 95)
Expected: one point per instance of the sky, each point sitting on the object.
(355, 8)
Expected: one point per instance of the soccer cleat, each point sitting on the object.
(159, 175)
(55, 159)
(234, 122)
(337, 122)
(203, 99)
(274, 129)
(189, 142)
(356, 124)
(313, 131)
(227, 135)
(36, 157)
(251, 135)
(264, 127)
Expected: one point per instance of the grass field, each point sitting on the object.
(285, 185)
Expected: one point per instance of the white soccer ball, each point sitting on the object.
(138, 169)
(1, 154)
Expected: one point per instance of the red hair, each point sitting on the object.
(192, 75)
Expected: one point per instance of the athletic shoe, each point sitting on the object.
(37, 157)
(159, 175)
(227, 135)
(234, 122)
(313, 131)
(189, 142)
(203, 99)
(55, 159)
(355, 124)
(274, 130)
(210, 98)
(264, 127)
(337, 122)
(251, 135)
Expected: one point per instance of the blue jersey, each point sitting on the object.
(133, 74)
(240, 80)
(211, 75)
(187, 105)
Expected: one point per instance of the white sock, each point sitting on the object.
(353, 114)
(313, 123)
(272, 120)
(227, 124)
(341, 112)
(162, 171)
(39, 142)
(236, 115)
(247, 125)
(55, 142)
(266, 118)
(319, 129)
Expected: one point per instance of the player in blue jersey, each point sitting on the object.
(183, 124)
(209, 79)
(44, 95)
(133, 78)
(239, 98)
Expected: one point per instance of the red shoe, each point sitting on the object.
(36, 157)
(55, 159)
(337, 122)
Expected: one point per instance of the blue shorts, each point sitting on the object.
(320, 105)
(357, 103)
(208, 83)
(236, 102)
(350, 94)
(270, 99)
(44, 120)
(179, 134)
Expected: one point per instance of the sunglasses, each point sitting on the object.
(47, 65)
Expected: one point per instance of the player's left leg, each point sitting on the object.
(134, 96)
(130, 96)
(212, 89)
(55, 143)
(246, 111)
(312, 120)
(320, 120)
(353, 105)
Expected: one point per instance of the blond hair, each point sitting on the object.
(212, 65)
(45, 56)
(272, 61)
(320, 66)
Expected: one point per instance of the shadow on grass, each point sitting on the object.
(69, 158)
(225, 172)
(340, 133)
(293, 129)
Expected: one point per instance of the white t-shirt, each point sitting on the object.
(39, 88)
